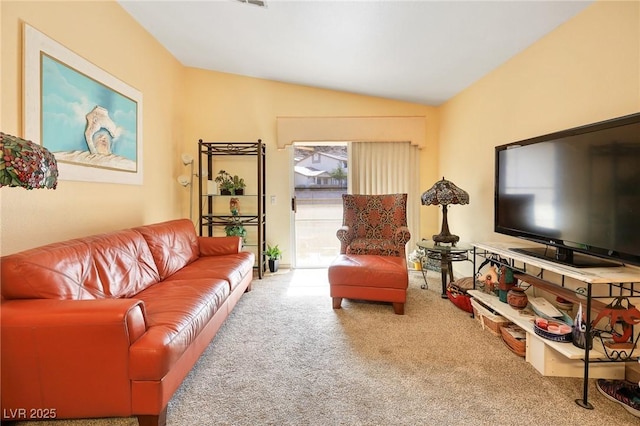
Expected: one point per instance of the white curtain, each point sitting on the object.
(388, 168)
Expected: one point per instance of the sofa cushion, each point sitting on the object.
(113, 265)
(173, 244)
(229, 267)
(176, 312)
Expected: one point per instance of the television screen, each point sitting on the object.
(577, 190)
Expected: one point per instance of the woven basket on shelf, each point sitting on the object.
(489, 320)
(517, 346)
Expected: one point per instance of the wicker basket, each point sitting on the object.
(488, 319)
(517, 346)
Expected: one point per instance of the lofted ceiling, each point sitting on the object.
(418, 51)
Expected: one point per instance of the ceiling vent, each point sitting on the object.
(259, 3)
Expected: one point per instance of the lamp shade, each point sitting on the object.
(444, 193)
(26, 164)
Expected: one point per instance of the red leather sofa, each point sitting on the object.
(110, 325)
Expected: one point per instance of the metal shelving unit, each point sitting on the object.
(609, 282)
(210, 219)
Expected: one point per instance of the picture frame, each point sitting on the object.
(90, 120)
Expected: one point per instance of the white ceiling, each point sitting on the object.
(419, 51)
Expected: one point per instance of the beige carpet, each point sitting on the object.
(285, 357)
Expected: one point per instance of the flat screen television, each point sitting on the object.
(576, 191)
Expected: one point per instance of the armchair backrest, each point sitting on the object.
(374, 224)
(374, 216)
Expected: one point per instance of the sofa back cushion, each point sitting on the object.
(173, 244)
(114, 265)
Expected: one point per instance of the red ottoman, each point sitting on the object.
(369, 277)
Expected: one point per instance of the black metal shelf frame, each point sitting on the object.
(208, 219)
(615, 289)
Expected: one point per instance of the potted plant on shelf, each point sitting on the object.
(236, 230)
(225, 182)
(274, 254)
(235, 227)
(238, 185)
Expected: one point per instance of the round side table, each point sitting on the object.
(446, 254)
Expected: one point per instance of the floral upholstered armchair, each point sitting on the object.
(374, 224)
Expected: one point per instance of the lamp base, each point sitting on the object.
(447, 239)
(445, 236)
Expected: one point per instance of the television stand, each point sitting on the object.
(599, 285)
(566, 257)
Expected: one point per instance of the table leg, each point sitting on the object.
(444, 271)
(424, 286)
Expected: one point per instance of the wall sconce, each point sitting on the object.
(444, 193)
(26, 164)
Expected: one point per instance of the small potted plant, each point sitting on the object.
(225, 182)
(238, 185)
(236, 230)
(235, 227)
(274, 254)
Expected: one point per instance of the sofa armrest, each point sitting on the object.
(56, 353)
(217, 246)
(127, 315)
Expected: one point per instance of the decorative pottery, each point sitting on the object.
(234, 206)
(517, 298)
(489, 280)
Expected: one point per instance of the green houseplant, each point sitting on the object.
(235, 227)
(238, 185)
(236, 230)
(225, 182)
(274, 254)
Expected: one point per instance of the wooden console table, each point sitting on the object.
(553, 358)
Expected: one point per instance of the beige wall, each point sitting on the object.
(587, 70)
(225, 107)
(181, 105)
(105, 35)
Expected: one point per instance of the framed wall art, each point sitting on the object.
(90, 120)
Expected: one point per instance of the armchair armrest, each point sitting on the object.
(345, 235)
(56, 353)
(402, 237)
(217, 246)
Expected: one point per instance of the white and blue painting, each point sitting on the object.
(85, 122)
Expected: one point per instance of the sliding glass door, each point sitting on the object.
(320, 178)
